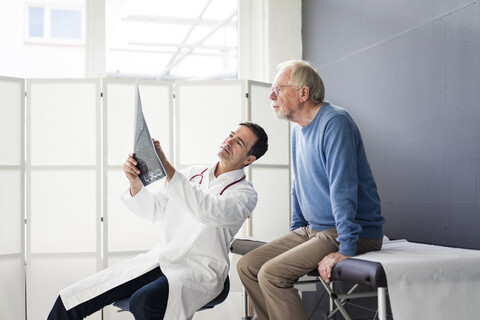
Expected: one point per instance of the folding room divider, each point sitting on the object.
(63, 143)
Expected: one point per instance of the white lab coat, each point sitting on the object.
(195, 230)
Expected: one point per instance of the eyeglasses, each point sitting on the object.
(276, 89)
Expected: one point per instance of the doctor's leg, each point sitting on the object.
(150, 301)
(91, 306)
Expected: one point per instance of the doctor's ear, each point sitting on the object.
(251, 158)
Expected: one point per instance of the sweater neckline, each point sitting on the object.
(319, 114)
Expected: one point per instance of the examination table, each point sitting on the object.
(422, 281)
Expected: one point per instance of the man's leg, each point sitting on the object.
(277, 276)
(150, 301)
(91, 306)
(249, 265)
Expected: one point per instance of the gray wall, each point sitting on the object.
(409, 73)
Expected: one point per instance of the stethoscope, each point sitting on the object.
(201, 180)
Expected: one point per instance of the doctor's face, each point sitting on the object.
(234, 149)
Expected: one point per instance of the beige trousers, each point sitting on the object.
(269, 272)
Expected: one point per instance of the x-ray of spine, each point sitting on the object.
(150, 166)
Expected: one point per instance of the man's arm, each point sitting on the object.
(298, 220)
(340, 149)
(341, 165)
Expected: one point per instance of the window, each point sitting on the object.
(164, 39)
(36, 23)
(66, 24)
(52, 25)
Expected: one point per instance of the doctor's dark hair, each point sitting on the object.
(261, 145)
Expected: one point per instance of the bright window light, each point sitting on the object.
(164, 39)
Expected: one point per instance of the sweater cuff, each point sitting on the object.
(348, 249)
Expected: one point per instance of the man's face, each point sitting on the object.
(283, 95)
(234, 149)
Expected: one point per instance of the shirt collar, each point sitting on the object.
(231, 175)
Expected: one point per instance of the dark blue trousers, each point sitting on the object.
(148, 299)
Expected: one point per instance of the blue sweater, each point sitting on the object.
(334, 185)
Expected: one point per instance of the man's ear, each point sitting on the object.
(251, 158)
(304, 94)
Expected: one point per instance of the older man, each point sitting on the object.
(335, 206)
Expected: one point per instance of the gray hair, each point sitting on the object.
(304, 74)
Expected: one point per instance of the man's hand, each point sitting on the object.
(132, 172)
(326, 265)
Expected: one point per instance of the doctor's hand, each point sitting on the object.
(169, 169)
(132, 172)
(326, 265)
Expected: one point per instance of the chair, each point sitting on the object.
(124, 303)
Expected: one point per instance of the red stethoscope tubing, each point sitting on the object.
(201, 180)
(199, 175)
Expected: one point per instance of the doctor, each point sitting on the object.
(199, 212)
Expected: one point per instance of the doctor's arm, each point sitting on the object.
(169, 169)
(132, 172)
(139, 200)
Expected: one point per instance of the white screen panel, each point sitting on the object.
(157, 108)
(63, 211)
(271, 217)
(11, 215)
(277, 130)
(63, 122)
(120, 101)
(126, 231)
(12, 294)
(11, 105)
(206, 111)
(120, 257)
(48, 275)
(12, 262)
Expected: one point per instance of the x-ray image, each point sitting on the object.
(150, 166)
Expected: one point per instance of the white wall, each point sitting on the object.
(270, 32)
(37, 59)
